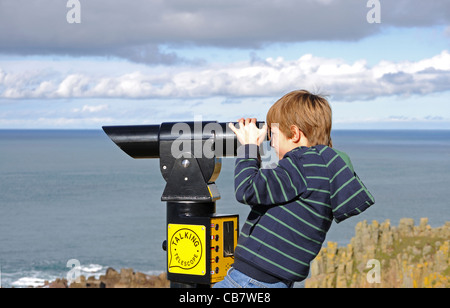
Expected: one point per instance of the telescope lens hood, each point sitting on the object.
(137, 141)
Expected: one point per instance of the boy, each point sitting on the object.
(292, 205)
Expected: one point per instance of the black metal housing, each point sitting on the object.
(190, 162)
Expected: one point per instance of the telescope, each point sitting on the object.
(200, 244)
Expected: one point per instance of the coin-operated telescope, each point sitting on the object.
(200, 244)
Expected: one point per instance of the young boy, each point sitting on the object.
(292, 205)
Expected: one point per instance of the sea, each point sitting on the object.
(70, 195)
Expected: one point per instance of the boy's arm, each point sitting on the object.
(256, 186)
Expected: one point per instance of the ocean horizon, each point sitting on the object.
(73, 194)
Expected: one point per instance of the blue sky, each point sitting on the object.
(146, 62)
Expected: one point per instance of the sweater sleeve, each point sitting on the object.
(269, 187)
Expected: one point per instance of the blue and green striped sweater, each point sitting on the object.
(292, 208)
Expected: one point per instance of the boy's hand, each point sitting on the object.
(248, 133)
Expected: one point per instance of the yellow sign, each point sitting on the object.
(187, 249)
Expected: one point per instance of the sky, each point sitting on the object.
(150, 61)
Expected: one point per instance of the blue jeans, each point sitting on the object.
(236, 279)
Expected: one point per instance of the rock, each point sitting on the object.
(427, 250)
(409, 256)
(111, 273)
(406, 227)
(79, 283)
(127, 278)
(423, 225)
(416, 251)
(59, 284)
(330, 257)
(387, 237)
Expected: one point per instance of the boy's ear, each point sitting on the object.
(295, 133)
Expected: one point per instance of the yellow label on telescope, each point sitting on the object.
(186, 249)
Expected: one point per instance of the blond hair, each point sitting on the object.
(311, 113)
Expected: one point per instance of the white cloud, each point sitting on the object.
(54, 122)
(269, 78)
(91, 109)
(396, 121)
(72, 86)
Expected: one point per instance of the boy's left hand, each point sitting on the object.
(248, 132)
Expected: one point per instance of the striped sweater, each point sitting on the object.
(292, 208)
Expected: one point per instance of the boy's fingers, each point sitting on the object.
(246, 121)
(249, 121)
(232, 127)
(264, 129)
(263, 132)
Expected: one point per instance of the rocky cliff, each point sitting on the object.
(126, 278)
(381, 255)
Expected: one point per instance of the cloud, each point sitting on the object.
(137, 29)
(406, 119)
(393, 123)
(49, 122)
(91, 109)
(264, 78)
(394, 119)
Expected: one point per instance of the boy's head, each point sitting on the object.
(309, 113)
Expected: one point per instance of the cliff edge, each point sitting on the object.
(384, 256)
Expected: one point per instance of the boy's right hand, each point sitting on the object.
(248, 132)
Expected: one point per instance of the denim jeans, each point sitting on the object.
(236, 279)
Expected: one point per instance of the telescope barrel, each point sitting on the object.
(143, 141)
